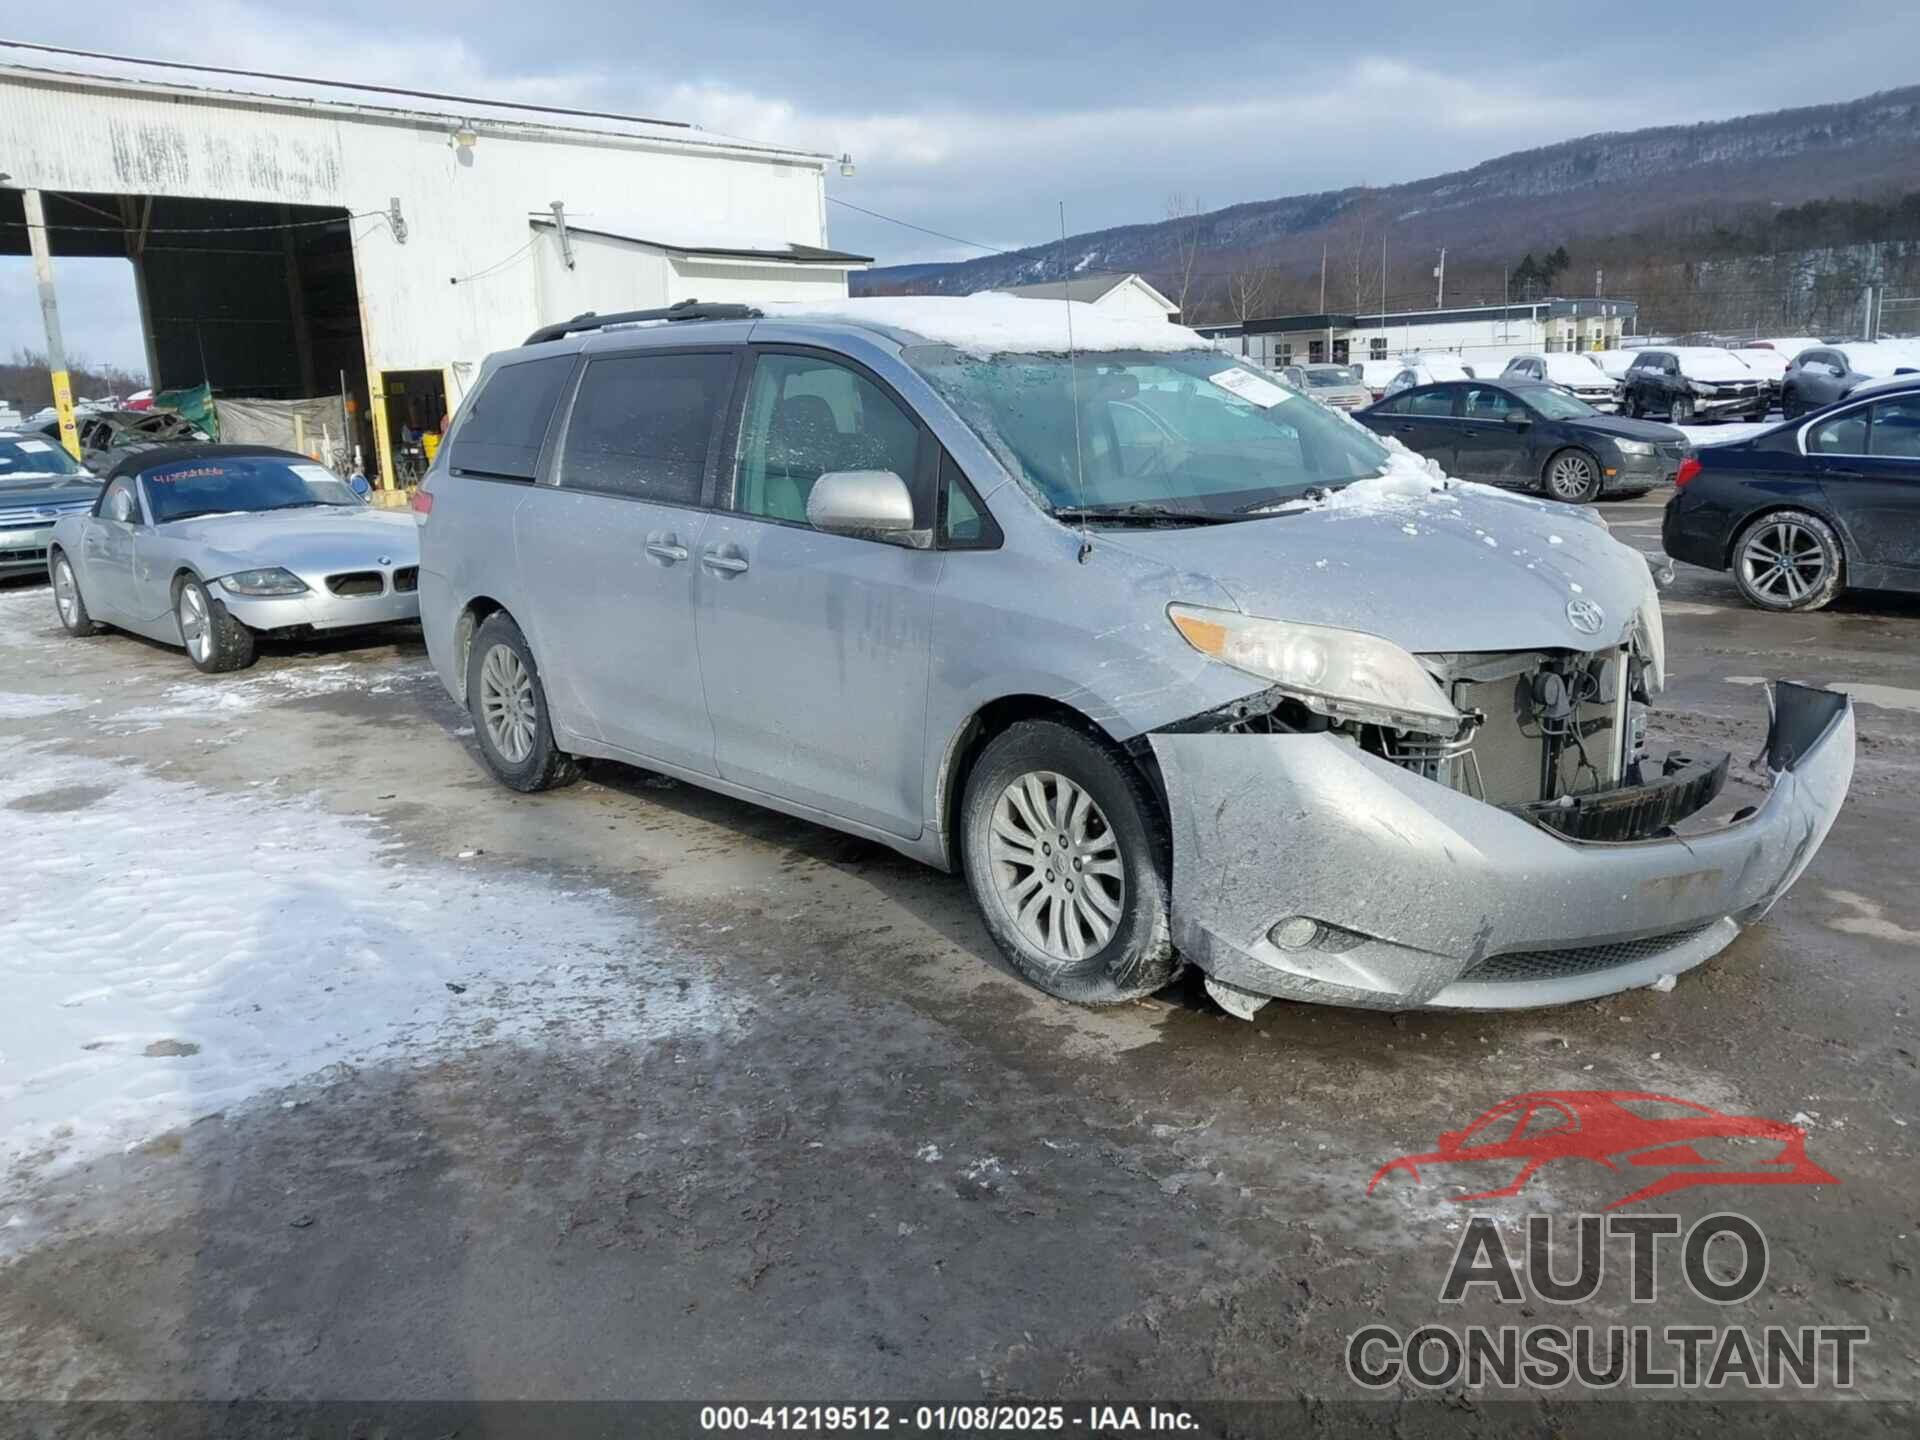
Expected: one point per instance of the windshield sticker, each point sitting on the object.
(201, 472)
(1249, 386)
(315, 474)
(38, 447)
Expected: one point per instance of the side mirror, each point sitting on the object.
(1519, 419)
(869, 504)
(120, 507)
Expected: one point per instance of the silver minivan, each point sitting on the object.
(1174, 665)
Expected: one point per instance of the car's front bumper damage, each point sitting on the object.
(1421, 896)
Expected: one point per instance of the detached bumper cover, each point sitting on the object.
(1429, 898)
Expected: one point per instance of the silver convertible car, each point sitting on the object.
(207, 546)
(1244, 687)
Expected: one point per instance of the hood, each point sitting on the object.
(1432, 567)
(29, 492)
(1621, 427)
(333, 538)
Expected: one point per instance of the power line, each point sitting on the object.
(497, 265)
(908, 224)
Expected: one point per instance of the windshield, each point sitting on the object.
(1558, 405)
(218, 484)
(1190, 432)
(20, 459)
(1330, 377)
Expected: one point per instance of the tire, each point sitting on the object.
(503, 683)
(1679, 411)
(1572, 476)
(67, 600)
(212, 638)
(1094, 936)
(1810, 580)
(1631, 408)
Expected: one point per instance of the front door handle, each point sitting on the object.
(665, 545)
(728, 561)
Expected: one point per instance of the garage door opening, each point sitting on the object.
(258, 301)
(415, 402)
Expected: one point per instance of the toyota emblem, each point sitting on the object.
(1585, 616)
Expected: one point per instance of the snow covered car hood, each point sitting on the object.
(324, 538)
(1433, 566)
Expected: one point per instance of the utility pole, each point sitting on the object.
(1599, 278)
(1440, 275)
(50, 315)
(1323, 277)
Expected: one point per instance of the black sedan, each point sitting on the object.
(1803, 510)
(1531, 436)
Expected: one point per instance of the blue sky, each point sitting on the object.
(978, 120)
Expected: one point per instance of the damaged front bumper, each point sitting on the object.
(1306, 868)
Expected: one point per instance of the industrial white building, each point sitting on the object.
(1483, 333)
(1121, 294)
(286, 232)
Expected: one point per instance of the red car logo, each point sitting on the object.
(1630, 1130)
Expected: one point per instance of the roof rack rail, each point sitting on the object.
(683, 310)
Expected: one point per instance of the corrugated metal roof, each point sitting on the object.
(51, 65)
(733, 247)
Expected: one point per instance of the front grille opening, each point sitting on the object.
(1523, 965)
(406, 580)
(9, 557)
(357, 582)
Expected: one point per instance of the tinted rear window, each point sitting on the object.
(501, 434)
(641, 424)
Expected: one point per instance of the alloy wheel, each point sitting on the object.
(1784, 561)
(66, 595)
(506, 703)
(1570, 477)
(1056, 866)
(196, 625)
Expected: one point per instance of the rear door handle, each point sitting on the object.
(728, 561)
(665, 545)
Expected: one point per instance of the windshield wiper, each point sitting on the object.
(295, 505)
(1140, 512)
(1312, 495)
(196, 515)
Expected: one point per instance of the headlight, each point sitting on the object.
(1633, 447)
(1650, 633)
(1699, 389)
(264, 582)
(1343, 673)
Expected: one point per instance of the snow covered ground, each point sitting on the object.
(169, 951)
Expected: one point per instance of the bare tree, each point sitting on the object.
(1184, 212)
(1247, 290)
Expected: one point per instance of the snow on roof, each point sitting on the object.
(1710, 362)
(998, 324)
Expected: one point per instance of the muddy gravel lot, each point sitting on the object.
(332, 1071)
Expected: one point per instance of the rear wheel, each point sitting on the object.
(1789, 560)
(67, 599)
(509, 707)
(1067, 855)
(1572, 476)
(214, 640)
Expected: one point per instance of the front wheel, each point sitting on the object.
(1789, 560)
(1680, 410)
(214, 640)
(509, 707)
(1067, 855)
(67, 600)
(1572, 476)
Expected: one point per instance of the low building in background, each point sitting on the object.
(1483, 336)
(1122, 294)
